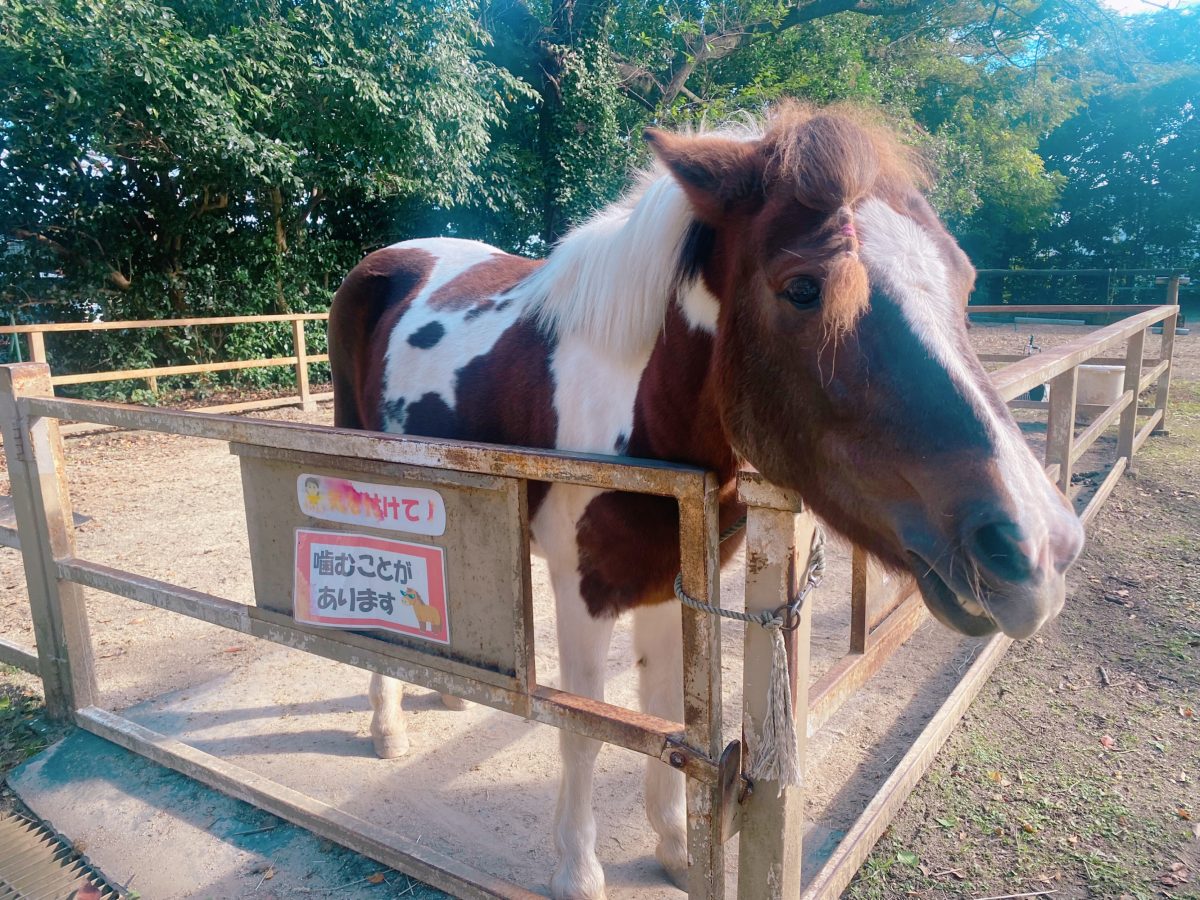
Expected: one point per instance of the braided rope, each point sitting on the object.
(767, 618)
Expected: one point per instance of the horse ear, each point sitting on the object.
(716, 173)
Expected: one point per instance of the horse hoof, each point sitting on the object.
(578, 883)
(390, 746)
(672, 856)
(455, 703)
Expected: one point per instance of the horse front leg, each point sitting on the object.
(658, 647)
(389, 733)
(582, 652)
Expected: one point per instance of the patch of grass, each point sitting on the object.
(24, 730)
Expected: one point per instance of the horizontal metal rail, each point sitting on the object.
(642, 476)
(642, 733)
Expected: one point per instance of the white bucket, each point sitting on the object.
(1098, 386)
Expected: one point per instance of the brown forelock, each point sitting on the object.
(819, 163)
(834, 156)
(506, 395)
(369, 301)
(629, 543)
(478, 286)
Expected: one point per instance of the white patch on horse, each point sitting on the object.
(901, 256)
(699, 306)
(411, 372)
(454, 256)
(610, 280)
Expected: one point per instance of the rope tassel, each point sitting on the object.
(776, 757)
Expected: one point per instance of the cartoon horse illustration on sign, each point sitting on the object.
(426, 615)
(783, 297)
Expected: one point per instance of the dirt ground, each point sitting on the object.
(171, 508)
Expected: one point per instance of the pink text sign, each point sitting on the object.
(358, 581)
(411, 509)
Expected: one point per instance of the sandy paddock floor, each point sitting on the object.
(170, 507)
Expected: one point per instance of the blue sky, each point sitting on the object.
(1130, 7)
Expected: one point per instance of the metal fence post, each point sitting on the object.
(301, 354)
(43, 509)
(1133, 377)
(770, 845)
(700, 562)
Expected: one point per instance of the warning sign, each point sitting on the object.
(358, 581)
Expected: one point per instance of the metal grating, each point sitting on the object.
(36, 864)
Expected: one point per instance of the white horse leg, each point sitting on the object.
(389, 732)
(582, 652)
(458, 704)
(658, 645)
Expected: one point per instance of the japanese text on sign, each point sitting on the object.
(411, 509)
(358, 581)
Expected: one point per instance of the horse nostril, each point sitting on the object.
(996, 548)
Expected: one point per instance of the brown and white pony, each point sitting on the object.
(785, 298)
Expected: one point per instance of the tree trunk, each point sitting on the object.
(281, 246)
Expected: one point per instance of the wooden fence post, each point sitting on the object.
(43, 510)
(301, 353)
(1167, 351)
(37, 346)
(769, 853)
(1060, 425)
(1133, 377)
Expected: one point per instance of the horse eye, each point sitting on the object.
(803, 292)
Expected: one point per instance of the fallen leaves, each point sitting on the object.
(377, 878)
(1176, 875)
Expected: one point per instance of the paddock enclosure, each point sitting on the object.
(494, 653)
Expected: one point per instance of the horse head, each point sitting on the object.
(844, 368)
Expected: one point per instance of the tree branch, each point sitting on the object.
(116, 277)
(712, 47)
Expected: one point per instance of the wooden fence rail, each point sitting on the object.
(300, 359)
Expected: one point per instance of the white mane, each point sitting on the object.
(610, 280)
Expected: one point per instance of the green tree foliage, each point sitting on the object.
(1129, 160)
(210, 158)
(194, 157)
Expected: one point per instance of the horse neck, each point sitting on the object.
(677, 416)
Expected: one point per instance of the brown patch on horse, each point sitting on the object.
(477, 287)
(629, 543)
(367, 304)
(506, 396)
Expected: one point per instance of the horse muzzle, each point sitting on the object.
(993, 576)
